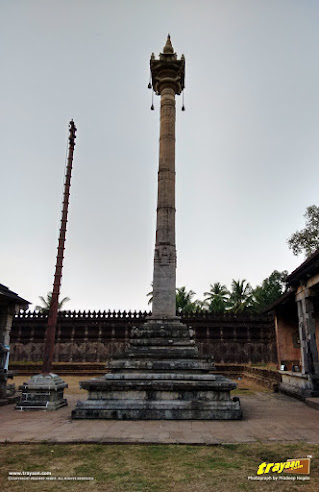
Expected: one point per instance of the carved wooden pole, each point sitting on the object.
(53, 312)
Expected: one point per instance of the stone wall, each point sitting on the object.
(94, 336)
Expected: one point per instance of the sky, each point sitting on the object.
(247, 146)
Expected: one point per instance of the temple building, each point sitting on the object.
(297, 330)
(10, 304)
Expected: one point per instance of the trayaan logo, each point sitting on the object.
(299, 466)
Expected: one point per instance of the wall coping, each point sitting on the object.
(140, 315)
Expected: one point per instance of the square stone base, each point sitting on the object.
(147, 396)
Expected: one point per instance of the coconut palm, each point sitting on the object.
(47, 302)
(217, 298)
(199, 306)
(150, 295)
(241, 296)
(184, 302)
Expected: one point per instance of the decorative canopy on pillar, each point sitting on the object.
(168, 71)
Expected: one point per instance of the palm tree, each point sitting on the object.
(184, 302)
(47, 302)
(150, 295)
(199, 306)
(241, 296)
(218, 297)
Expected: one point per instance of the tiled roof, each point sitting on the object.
(8, 296)
(308, 268)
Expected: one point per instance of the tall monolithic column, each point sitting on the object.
(168, 80)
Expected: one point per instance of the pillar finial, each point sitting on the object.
(167, 71)
(168, 48)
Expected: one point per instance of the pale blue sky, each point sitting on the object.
(247, 149)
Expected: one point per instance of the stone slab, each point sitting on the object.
(169, 365)
(138, 409)
(264, 420)
(312, 402)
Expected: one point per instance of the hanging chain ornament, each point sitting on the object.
(150, 87)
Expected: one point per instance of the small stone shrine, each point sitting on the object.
(160, 375)
(42, 392)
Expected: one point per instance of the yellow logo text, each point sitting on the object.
(289, 466)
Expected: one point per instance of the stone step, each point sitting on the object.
(172, 342)
(166, 351)
(46, 405)
(158, 410)
(161, 364)
(160, 333)
(176, 376)
(157, 382)
(312, 402)
(160, 329)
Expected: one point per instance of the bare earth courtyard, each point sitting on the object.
(267, 417)
(193, 456)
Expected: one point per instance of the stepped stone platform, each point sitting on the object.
(159, 376)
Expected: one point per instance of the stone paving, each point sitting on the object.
(268, 417)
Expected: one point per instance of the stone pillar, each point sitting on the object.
(160, 375)
(164, 279)
(168, 80)
(7, 313)
(307, 333)
(6, 317)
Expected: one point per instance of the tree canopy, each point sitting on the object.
(307, 240)
(270, 289)
(241, 298)
(184, 302)
(217, 298)
(47, 301)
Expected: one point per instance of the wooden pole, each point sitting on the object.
(53, 312)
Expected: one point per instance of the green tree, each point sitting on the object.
(47, 302)
(199, 306)
(217, 298)
(306, 240)
(241, 296)
(270, 289)
(150, 295)
(184, 302)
